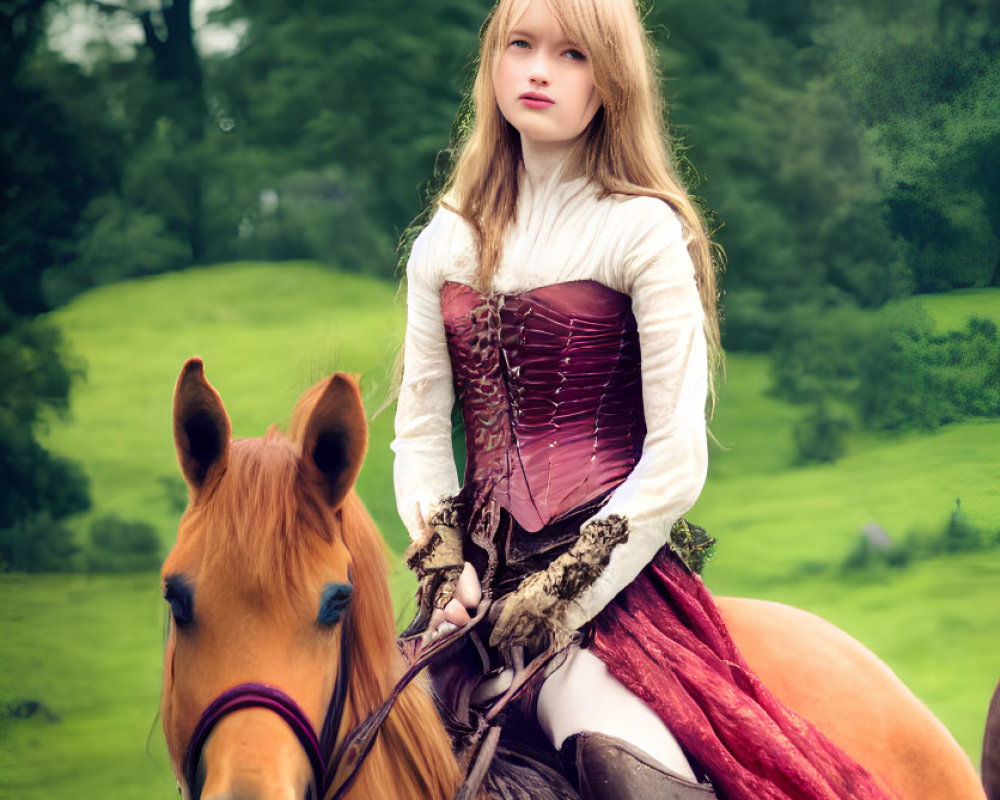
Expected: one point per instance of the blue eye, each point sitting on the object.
(180, 596)
(520, 44)
(333, 603)
(574, 55)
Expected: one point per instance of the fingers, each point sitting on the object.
(444, 592)
(445, 600)
(456, 613)
(468, 590)
(437, 618)
(440, 624)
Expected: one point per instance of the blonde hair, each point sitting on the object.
(625, 149)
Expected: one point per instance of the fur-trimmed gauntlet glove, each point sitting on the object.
(437, 562)
(534, 616)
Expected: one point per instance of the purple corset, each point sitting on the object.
(550, 390)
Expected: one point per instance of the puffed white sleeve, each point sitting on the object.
(424, 470)
(671, 472)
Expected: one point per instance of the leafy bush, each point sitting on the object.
(958, 536)
(915, 378)
(817, 355)
(822, 434)
(117, 545)
(38, 543)
(865, 555)
(885, 370)
(117, 241)
(37, 488)
(961, 536)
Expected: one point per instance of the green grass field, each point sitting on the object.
(88, 647)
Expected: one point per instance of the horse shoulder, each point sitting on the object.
(852, 696)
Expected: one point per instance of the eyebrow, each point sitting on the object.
(525, 35)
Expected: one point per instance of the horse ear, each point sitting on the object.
(335, 437)
(201, 428)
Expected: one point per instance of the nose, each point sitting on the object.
(539, 73)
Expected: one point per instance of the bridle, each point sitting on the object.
(271, 698)
(333, 774)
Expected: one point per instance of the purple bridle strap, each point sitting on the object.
(260, 695)
(255, 695)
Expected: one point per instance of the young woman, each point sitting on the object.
(564, 291)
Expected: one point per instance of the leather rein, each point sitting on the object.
(334, 775)
(334, 767)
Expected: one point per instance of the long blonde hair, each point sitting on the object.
(625, 150)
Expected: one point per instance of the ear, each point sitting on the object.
(335, 438)
(201, 428)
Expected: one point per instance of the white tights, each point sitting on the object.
(581, 695)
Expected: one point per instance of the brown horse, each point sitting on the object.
(278, 571)
(991, 748)
(274, 553)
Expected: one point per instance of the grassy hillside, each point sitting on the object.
(781, 519)
(951, 309)
(89, 648)
(266, 332)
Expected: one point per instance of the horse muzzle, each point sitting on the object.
(245, 773)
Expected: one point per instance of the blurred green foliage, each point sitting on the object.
(889, 370)
(37, 488)
(847, 152)
(117, 545)
(959, 535)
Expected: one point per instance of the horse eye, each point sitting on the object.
(181, 599)
(333, 603)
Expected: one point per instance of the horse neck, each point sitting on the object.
(412, 755)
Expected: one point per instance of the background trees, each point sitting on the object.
(847, 151)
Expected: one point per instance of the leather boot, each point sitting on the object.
(607, 768)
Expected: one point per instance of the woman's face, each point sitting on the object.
(544, 83)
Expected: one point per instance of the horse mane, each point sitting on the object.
(253, 496)
(412, 753)
(262, 489)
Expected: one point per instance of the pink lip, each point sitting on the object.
(536, 100)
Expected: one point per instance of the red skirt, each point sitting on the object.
(663, 637)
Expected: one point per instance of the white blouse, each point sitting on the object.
(565, 232)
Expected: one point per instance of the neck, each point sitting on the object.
(543, 161)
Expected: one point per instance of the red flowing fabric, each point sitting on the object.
(663, 637)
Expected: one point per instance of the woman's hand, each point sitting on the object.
(535, 615)
(437, 561)
(533, 618)
(463, 603)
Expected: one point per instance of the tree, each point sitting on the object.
(170, 118)
(344, 117)
(37, 489)
(48, 173)
(781, 163)
(922, 77)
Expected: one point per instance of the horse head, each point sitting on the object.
(261, 593)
